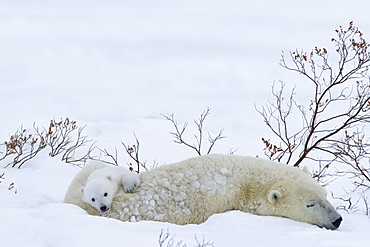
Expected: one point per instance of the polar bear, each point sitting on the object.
(190, 191)
(102, 185)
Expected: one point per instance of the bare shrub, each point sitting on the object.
(21, 147)
(339, 103)
(333, 122)
(62, 137)
(179, 138)
(164, 240)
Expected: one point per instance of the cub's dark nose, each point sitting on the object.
(336, 223)
(105, 208)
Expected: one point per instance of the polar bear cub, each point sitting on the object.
(103, 184)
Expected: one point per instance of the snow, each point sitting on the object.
(116, 66)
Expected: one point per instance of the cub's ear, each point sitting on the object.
(274, 195)
(82, 190)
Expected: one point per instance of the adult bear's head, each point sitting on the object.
(301, 198)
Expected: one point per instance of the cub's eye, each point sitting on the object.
(105, 194)
(93, 199)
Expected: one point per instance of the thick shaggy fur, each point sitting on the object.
(190, 191)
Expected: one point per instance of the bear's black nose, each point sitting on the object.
(103, 208)
(336, 223)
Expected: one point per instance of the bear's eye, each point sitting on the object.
(311, 204)
(93, 199)
(105, 194)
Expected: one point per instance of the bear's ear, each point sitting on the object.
(274, 195)
(305, 169)
(109, 178)
(82, 190)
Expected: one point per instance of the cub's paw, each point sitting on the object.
(130, 182)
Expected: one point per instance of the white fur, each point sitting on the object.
(190, 191)
(103, 184)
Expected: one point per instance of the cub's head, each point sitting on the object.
(99, 193)
(300, 198)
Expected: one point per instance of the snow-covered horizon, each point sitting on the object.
(116, 66)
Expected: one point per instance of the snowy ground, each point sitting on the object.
(116, 67)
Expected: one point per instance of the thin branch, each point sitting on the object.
(133, 152)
